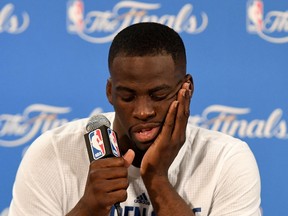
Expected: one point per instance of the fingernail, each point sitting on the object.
(176, 104)
(187, 85)
(184, 93)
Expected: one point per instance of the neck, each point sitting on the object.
(125, 144)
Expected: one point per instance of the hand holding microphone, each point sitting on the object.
(107, 178)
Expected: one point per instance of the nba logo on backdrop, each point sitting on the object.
(75, 16)
(97, 144)
(271, 26)
(113, 142)
(255, 15)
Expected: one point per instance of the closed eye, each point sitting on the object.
(158, 97)
(164, 93)
(128, 98)
(125, 94)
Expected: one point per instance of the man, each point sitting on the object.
(169, 167)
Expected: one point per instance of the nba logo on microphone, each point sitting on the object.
(97, 144)
(255, 16)
(113, 142)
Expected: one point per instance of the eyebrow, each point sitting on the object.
(123, 88)
(157, 88)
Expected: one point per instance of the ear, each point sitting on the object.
(109, 90)
(189, 79)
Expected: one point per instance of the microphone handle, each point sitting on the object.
(109, 152)
(118, 208)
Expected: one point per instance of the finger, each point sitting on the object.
(108, 162)
(129, 157)
(110, 198)
(113, 185)
(184, 107)
(108, 173)
(189, 87)
(182, 114)
(117, 196)
(184, 104)
(170, 119)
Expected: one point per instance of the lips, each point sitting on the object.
(145, 133)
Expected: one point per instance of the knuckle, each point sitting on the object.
(168, 125)
(123, 194)
(123, 171)
(120, 161)
(187, 113)
(125, 183)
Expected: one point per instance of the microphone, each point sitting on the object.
(101, 142)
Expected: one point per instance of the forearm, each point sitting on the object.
(165, 200)
(79, 210)
(88, 208)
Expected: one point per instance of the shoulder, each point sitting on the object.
(55, 136)
(213, 148)
(225, 165)
(198, 137)
(70, 130)
(67, 139)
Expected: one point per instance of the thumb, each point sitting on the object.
(129, 157)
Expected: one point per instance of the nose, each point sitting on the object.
(144, 109)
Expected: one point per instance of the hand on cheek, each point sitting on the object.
(163, 151)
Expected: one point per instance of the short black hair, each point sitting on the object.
(148, 39)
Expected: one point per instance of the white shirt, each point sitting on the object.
(214, 173)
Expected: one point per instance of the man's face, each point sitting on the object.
(141, 90)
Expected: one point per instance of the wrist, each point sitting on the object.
(83, 208)
(155, 181)
(80, 209)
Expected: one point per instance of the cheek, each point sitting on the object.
(124, 112)
(164, 107)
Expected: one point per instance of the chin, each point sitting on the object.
(143, 147)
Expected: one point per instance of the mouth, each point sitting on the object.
(145, 133)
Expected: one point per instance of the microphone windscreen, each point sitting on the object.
(97, 121)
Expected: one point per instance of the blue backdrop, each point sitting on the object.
(53, 69)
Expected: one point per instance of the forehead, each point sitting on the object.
(143, 69)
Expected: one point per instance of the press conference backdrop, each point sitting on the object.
(53, 69)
